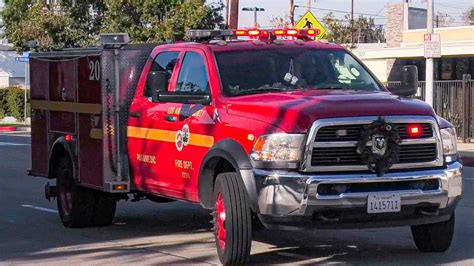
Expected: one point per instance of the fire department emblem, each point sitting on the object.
(182, 137)
(379, 144)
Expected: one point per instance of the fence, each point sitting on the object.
(454, 101)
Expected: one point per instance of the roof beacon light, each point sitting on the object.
(251, 33)
(296, 32)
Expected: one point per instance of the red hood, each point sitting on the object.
(294, 112)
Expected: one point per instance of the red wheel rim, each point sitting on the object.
(220, 221)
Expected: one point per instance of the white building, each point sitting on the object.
(12, 73)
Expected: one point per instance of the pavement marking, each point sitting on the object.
(13, 144)
(40, 208)
(26, 134)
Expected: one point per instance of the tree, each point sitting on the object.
(159, 21)
(26, 21)
(469, 17)
(74, 23)
(281, 22)
(362, 30)
(443, 20)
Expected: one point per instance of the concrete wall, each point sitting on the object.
(448, 34)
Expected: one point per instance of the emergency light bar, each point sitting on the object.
(252, 33)
(207, 34)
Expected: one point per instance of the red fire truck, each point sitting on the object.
(271, 127)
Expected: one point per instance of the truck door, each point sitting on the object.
(150, 135)
(193, 124)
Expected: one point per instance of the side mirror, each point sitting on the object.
(409, 82)
(157, 81)
(185, 97)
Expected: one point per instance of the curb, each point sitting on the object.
(7, 128)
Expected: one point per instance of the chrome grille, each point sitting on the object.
(329, 133)
(328, 151)
(333, 156)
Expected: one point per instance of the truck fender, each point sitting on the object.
(57, 149)
(232, 152)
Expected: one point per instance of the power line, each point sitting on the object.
(340, 11)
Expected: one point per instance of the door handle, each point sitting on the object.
(170, 118)
(135, 114)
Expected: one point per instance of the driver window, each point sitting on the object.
(165, 62)
(193, 74)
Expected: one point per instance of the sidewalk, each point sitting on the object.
(466, 150)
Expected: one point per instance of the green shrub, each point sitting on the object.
(3, 103)
(12, 102)
(16, 102)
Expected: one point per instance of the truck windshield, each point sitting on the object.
(283, 69)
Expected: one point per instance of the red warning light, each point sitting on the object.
(68, 138)
(414, 131)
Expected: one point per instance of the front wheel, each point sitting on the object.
(435, 237)
(232, 220)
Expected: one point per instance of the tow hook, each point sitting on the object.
(50, 192)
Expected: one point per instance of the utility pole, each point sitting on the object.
(352, 22)
(292, 12)
(227, 8)
(429, 61)
(308, 4)
(234, 14)
(255, 11)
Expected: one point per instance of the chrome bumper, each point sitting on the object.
(290, 194)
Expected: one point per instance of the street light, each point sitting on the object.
(255, 10)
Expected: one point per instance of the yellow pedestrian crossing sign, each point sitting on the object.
(309, 21)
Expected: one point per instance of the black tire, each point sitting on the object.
(78, 206)
(237, 222)
(104, 209)
(75, 204)
(435, 237)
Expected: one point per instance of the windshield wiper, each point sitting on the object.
(265, 88)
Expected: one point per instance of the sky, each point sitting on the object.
(454, 8)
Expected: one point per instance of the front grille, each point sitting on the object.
(332, 144)
(329, 133)
(334, 156)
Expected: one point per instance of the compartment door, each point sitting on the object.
(90, 133)
(39, 126)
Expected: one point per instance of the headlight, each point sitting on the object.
(448, 136)
(278, 148)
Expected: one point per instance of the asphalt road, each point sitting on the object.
(179, 233)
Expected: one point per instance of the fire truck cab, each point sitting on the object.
(295, 134)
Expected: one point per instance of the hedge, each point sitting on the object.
(12, 102)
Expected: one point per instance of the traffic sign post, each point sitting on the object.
(25, 58)
(309, 21)
(432, 46)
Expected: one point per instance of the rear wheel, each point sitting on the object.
(79, 206)
(232, 220)
(435, 237)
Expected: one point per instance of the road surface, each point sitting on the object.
(179, 233)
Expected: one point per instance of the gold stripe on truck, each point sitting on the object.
(81, 108)
(169, 136)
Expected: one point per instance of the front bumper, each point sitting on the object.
(291, 200)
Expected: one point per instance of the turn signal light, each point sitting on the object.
(119, 187)
(414, 131)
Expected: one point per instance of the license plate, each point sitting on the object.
(382, 203)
